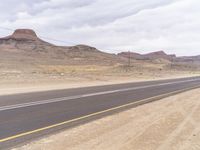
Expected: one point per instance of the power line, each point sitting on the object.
(47, 38)
(44, 37)
(4, 28)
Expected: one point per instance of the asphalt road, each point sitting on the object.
(24, 117)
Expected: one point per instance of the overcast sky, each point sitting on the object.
(110, 25)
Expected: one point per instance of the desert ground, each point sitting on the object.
(49, 77)
(169, 124)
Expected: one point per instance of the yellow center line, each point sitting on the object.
(94, 114)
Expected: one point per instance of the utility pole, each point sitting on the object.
(129, 59)
(129, 62)
(172, 61)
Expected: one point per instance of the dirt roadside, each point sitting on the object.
(171, 123)
(46, 83)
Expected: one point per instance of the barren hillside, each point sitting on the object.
(24, 45)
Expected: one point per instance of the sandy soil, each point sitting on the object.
(34, 83)
(22, 76)
(172, 123)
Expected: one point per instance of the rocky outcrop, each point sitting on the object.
(26, 44)
(149, 56)
(22, 34)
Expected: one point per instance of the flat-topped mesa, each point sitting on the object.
(24, 34)
(24, 39)
(131, 55)
(82, 48)
(157, 54)
(149, 56)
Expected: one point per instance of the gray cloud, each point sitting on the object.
(111, 25)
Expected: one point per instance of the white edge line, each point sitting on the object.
(9, 107)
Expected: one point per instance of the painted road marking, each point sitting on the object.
(41, 102)
(94, 114)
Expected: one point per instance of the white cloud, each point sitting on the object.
(111, 25)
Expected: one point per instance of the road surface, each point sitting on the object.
(24, 117)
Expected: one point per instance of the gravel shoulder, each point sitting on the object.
(41, 83)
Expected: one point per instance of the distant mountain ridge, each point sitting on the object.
(24, 44)
(29, 37)
(149, 56)
(189, 59)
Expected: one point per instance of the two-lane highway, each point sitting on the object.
(24, 117)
